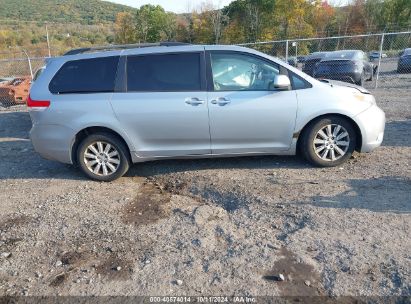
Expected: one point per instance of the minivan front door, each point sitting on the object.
(247, 114)
(164, 110)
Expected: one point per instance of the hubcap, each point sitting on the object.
(331, 142)
(102, 158)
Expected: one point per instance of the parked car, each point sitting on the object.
(3, 80)
(15, 91)
(106, 110)
(404, 63)
(350, 66)
(301, 59)
(311, 60)
(375, 55)
(292, 61)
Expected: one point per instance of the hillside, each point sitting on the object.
(75, 11)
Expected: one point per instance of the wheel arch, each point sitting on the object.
(357, 129)
(83, 133)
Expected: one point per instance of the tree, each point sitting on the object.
(253, 17)
(124, 28)
(169, 27)
(292, 18)
(150, 23)
(322, 17)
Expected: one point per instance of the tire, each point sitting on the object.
(312, 141)
(114, 161)
(361, 81)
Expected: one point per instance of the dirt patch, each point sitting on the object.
(73, 258)
(149, 206)
(14, 221)
(300, 279)
(230, 201)
(115, 269)
(59, 280)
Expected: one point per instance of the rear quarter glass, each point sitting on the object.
(86, 76)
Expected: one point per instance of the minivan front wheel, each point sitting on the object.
(103, 157)
(329, 141)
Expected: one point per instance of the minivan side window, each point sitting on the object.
(164, 72)
(95, 75)
(241, 72)
(298, 83)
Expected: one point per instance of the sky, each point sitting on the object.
(186, 6)
(176, 6)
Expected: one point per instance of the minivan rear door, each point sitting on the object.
(163, 108)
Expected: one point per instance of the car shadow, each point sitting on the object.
(397, 134)
(19, 160)
(159, 167)
(384, 194)
(15, 124)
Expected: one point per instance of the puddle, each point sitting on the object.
(149, 206)
(296, 274)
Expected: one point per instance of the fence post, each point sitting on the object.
(379, 60)
(286, 51)
(30, 67)
(48, 40)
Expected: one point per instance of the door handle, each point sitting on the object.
(221, 101)
(194, 101)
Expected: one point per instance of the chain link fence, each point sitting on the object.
(386, 62)
(17, 69)
(383, 61)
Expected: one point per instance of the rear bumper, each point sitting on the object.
(308, 71)
(346, 77)
(53, 142)
(404, 66)
(372, 125)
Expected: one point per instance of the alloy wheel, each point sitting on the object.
(102, 158)
(331, 142)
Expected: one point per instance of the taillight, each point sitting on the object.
(31, 103)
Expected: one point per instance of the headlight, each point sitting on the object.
(364, 97)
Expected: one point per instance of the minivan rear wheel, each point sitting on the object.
(329, 141)
(103, 157)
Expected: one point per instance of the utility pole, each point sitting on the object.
(48, 40)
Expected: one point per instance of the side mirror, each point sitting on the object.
(281, 82)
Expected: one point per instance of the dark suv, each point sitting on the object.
(311, 61)
(349, 66)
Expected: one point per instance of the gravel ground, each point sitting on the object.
(209, 227)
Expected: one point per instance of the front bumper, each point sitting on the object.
(372, 125)
(53, 142)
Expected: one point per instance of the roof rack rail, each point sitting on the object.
(121, 47)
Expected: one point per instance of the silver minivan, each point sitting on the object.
(104, 109)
